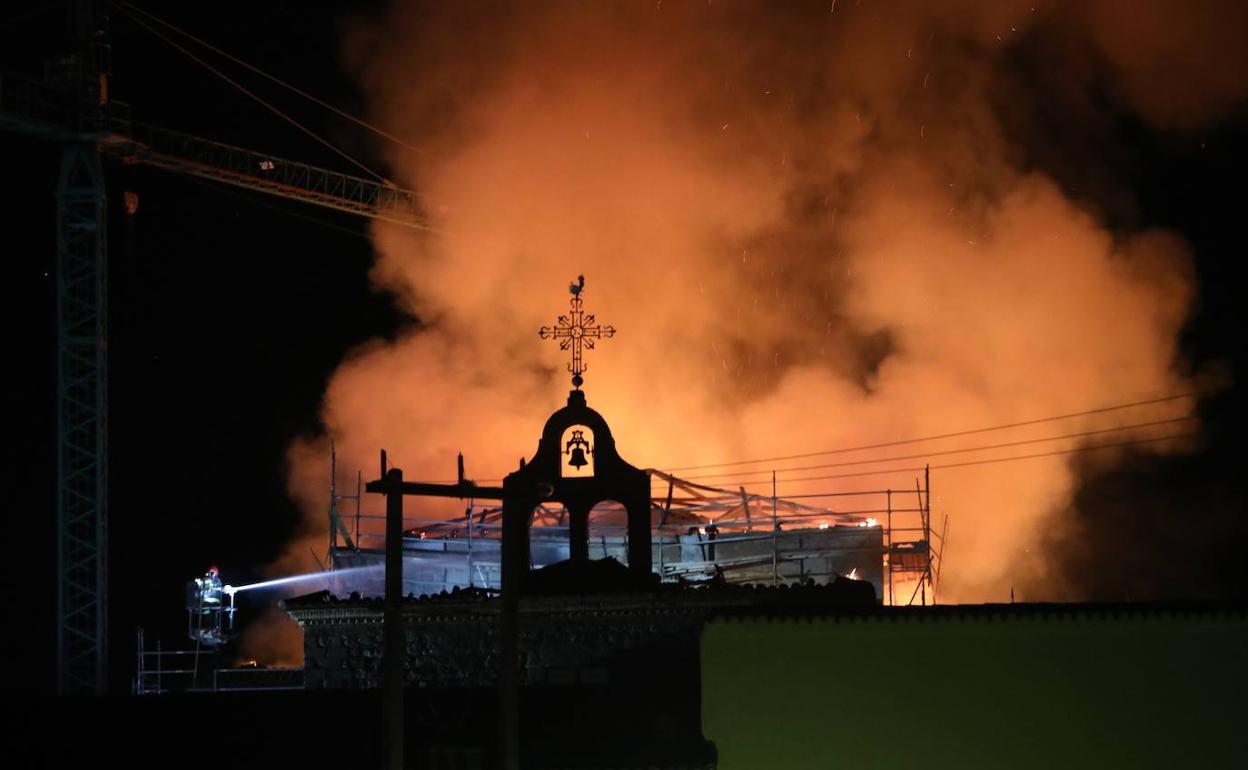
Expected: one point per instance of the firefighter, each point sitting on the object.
(210, 586)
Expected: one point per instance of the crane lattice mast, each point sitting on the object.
(72, 106)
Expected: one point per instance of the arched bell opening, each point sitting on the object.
(608, 531)
(576, 467)
(577, 453)
(547, 534)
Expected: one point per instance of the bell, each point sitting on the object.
(578, 460)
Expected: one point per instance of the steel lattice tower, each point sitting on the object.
(82, 424)
(72, 106)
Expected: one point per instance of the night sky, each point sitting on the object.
(230, 311)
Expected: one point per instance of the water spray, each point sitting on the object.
(210, 605)
(310, 576)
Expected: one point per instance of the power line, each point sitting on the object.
(249, 93)
(969, 463)
(358, 121)
(1005, 426)
(985, 447)
(945, 466)
(1055, 453)
(964, 450)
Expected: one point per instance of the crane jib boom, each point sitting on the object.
(71, 105)
(33, 108)
(268, 174)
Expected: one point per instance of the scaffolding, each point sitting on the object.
(699, 533)
(159, 671)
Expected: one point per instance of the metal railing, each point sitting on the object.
(162, 671)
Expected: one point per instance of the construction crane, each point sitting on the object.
(71, 105)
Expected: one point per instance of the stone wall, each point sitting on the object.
(563, 640)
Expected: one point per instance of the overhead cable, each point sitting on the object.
(325, 142)
(295, 89)
(954, 434)
(968, 463)
(945, 452)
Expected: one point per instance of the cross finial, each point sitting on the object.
(576, 330)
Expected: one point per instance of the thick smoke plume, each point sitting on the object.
(815, 225)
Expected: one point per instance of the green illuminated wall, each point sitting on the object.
(1015, 688)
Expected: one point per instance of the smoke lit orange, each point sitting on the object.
(811, 230)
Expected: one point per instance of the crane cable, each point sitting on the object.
(243, 89)
(295, 89)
